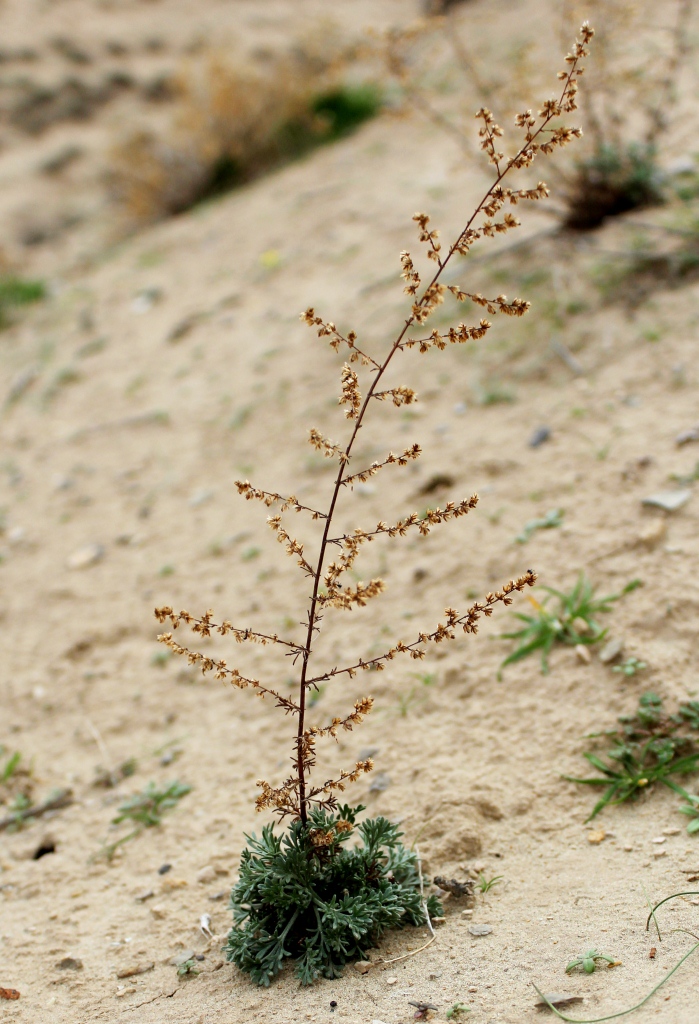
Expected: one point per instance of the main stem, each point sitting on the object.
(312, 611)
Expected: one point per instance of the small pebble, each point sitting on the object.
(473, 988)
(200, 497)
(671, 831)
(69, 963)
(479, 929)
(182, 328)
(611, 651)
(206, 875)
(85, 556)
(659, 839)
(143, 896)
(467, 913)
(669, 501)
(539, 437)
(628, 848)
(362, 966)
(133, 969)
(687, 435)
(380, 782)
(659, 853)
(145, 300)
(391, 981)
(653, 533)
(158, 912)
(583, 654)
(435, 976)
(164, 868)
(181, 958)
(596, 836)
(560, 999)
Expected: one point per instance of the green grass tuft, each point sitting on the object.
(573, 621)
(651, 747)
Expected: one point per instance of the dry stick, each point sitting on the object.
(414, 952)
(62, 799)
(97, 736)
(547, 118)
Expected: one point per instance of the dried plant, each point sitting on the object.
(234, 122)
(321, 927)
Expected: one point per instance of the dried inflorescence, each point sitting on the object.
(296, 796)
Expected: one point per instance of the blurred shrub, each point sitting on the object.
(629, 102)
(14, 291)
(233, 124)
(610, 181)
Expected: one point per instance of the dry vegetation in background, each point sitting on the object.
(629, 102)
(234, 121)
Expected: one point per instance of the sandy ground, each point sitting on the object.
(130, 442)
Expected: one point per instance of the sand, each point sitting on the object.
(122, 453)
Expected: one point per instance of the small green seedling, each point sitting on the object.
(591, 960)
(572, 622)
(18, 811)
(160, 658)
(186, 968)
(630, 667)
(486, 884)
(147, 807)
(651, 747)
(457, 1010)
(15, 291)
(110, 777)
(686, 479)
(11, 767)
(146, 810)
(691, 809)
(416, 695)
(553, 518)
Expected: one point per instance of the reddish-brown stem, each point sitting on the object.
(344, 460)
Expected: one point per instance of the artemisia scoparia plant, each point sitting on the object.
(327, 566)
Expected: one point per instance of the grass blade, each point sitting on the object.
(674, 896)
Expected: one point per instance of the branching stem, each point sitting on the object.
(313, 618)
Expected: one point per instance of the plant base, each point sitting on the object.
(307, 895)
